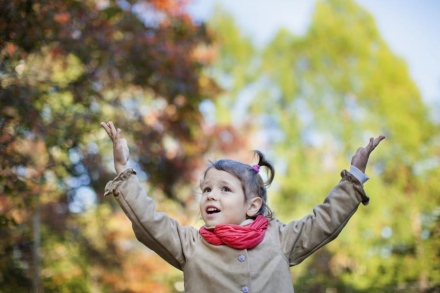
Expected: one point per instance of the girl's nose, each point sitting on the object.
(212, 195)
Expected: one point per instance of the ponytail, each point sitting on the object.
(261, 190)
(270, 170)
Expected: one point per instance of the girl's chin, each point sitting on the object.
(211, 222)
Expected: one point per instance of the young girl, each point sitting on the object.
(241, 247)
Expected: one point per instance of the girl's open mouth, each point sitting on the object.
(212, 210)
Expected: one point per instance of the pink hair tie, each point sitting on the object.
(256, 168)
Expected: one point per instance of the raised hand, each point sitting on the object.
(120, 148)
(360, 158)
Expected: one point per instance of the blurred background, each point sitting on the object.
(306, 82)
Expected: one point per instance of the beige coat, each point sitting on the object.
(209, 268)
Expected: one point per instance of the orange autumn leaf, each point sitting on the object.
(170, 6)
(62, 18)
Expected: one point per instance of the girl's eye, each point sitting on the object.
(207, 189)
(227, 189)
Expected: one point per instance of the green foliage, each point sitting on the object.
(234, 48)
(324, 94)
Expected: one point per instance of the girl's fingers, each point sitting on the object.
(115, 136)
(369, 147)
(374, 142)
(112, 128)
(104, 125)
(106, 128)
(112, 132)
(378, 140)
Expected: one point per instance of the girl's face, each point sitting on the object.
(223, 200)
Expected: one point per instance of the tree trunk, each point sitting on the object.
(36, 221)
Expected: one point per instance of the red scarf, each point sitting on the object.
(236, 236)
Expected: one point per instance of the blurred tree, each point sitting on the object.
(319, 97)
(235, 70)
(65, 66)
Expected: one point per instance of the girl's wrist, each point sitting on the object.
(359, 174)
(121, 168)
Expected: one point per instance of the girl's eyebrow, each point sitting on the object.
(222, 182)
(204, 183)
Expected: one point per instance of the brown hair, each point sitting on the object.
(251, 181)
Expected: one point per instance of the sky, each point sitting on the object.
(410, 27)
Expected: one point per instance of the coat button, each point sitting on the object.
(242, 258)
(245, 289)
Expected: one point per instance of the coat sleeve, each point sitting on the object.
(301, 238)
(156, 230)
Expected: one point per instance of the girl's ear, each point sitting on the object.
(254, 206)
